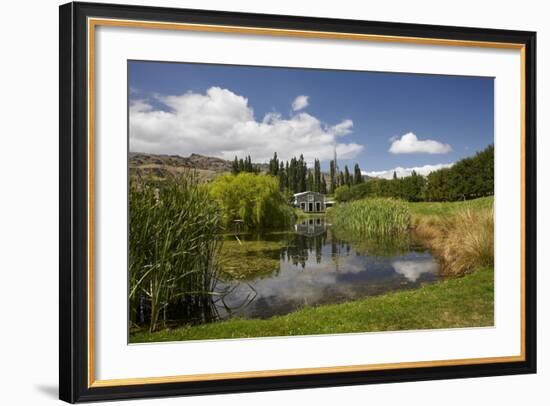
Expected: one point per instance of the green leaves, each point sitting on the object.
(173, 243)
(377, 217)
(468, 178)
(254, 199)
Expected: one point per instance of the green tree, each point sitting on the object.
(310, 182)
(255, 199)
(282, 176)
(357, 176)
(317, 176)
(235, 166)
(323, 186)
(333, 177)
(302, 174)
(274, 165)
(347, 177)
(341, 179)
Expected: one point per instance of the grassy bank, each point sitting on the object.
(460, 234)
(458, 302)
(449, 208)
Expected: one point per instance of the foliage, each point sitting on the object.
(371, 217)
(173, 243)
(463, 241)
(346, 193)
(453, 303)
(295, 176)
(347, 177)
(254, 199)
(357, 175)
(243, 165)
(468, 178)
(333, 176)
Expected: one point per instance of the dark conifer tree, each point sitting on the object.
(235, 166)
(282, 176)
(310, 181)
(347, 177)
(317, 176)
(323, 185)
(358, 176)
(333, 179)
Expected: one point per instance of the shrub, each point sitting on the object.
(346, 193)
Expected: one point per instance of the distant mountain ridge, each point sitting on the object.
(196, 161)
(161, 165)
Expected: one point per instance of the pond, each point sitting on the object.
(275, 273)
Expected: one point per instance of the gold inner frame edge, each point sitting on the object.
(94, 22)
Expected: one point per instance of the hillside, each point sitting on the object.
(160, 166)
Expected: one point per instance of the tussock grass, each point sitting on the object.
(371, 217)
(462, 241)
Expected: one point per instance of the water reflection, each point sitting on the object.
(412, 270)
(276, 273)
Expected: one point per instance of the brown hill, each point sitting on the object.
(160, 166)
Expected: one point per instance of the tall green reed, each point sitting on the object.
(376, 217)
(173, 243)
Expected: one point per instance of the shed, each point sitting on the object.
(310, 202)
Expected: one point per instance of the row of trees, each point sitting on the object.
(341, 178)
(244, 165)
(295, 176)
(410, 188)
(468, 178)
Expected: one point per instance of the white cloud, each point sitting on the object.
(343, 128)
(300, 102)
(402, 172)
(410, 144)
(221, 123)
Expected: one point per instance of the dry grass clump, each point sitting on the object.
(463, 241)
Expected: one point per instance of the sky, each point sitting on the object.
(382, 121)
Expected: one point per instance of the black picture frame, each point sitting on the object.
(74, 199)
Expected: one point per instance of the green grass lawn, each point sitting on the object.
(457, 302)
(447, 208)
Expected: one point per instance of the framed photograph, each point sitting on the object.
(256, 202)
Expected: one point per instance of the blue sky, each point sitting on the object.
(379, 120)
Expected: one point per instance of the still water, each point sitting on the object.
(276, 273)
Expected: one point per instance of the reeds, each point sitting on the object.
(377, 217)
(173, 244)
(462, 241)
